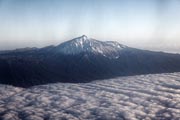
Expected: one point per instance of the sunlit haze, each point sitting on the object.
(145, 24)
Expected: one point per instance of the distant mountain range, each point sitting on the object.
(81, 59)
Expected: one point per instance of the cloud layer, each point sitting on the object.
(137, 97)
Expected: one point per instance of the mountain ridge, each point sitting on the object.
(85, 44)
(81, 63)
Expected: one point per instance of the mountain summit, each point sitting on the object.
(81, 59)
(84, 44)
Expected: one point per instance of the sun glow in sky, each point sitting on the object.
(146, 24)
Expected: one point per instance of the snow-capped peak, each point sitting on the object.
(84, 37)
(84, 44)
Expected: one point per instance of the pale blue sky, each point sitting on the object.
(147, 24)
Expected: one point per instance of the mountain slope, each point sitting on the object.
(85, 44)
(81, 60)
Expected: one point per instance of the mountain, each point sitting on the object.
(84, 44)
(81, 59)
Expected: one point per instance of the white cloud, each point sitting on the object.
(133, 98)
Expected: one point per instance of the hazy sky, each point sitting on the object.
(147, 24)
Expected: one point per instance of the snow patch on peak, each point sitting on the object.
(116, 44)
(81, 38)
(84, 37)
(82, 44)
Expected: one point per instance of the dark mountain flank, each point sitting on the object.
(81, 60)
